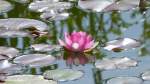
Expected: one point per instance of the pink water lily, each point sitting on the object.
(78, 42)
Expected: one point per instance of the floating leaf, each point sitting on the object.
(45, 47)
(63, 74)
(115, 63)
(35, 60)
(122, 44)
(5, 6)
(10, 33)
(54, 16)
(125, 80)
(28, 79)
(94, 5)
(146, 75)
(8, 52)
(22, 23)
(22, 1)
(47, 5)
(107, 5)
(10, 68)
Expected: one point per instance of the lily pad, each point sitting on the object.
(94, 5)
(35, 60)
(115, 63)
(22, 1)
(45, 47)
(22, 23)
(10, 33)
(146, 75)
(47, 5)
(122, 44)
(108, 5)
(54, 16)
(63, 74)
(8, 52)
(28, 79)
(125, 80)
(10, 68)
(5, 6)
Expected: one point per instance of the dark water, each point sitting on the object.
(103, 27)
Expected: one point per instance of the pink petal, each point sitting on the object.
(68, 40)
(61, 42)
(89, 44)
(88, 38)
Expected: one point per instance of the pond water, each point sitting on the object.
(103, 26)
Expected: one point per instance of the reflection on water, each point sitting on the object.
(103, 27)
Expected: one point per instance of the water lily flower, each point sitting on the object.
(78, 42)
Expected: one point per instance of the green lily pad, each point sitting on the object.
(63, 74)
(5, 6)
(35, 60)
(28, 79)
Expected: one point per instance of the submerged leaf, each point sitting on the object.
(125, 80)
(63, 74)
(22, 23)
(122, 44)
(115, 63)
(28, 79)
(8, 52)
(5, 6)
(35, 60)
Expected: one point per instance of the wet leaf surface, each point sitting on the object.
(9, 33)
(45, 47)
(28, 79)
(108, 5)
(5, 6)
(35, 60)
(43, 6)
(9, 68)
(125, 80)
(146, 75)
(115, 63)
(8, 52)
(22, 23)
(63, 74)
(122, 44)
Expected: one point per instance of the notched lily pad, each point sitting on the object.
(8, 52)
(146, 75)
(63, 74)
(45, 47)
(108, 5)
(125, 80)
(122, 44)
(5, 6)
(35, 60)
(115, 63)
(28, 79)
(22, 23)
